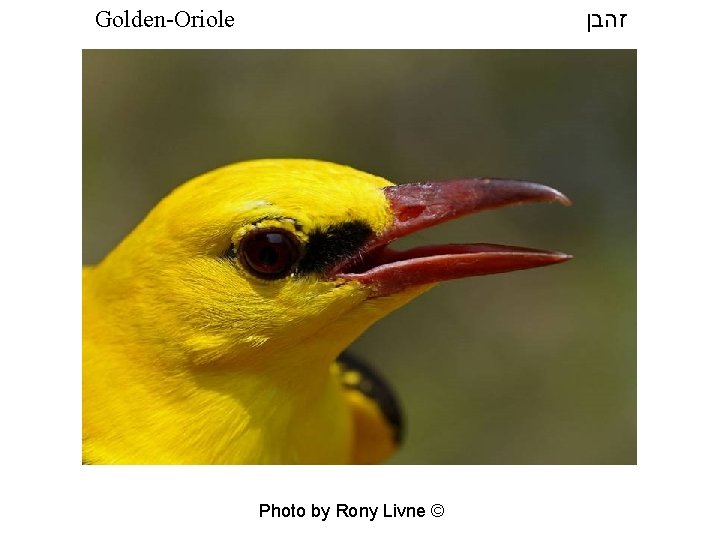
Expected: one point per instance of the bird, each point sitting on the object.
(216, 331)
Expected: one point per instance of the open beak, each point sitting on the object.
(419, 206)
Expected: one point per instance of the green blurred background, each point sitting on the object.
(527, 367)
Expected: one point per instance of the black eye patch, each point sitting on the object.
(328, 247)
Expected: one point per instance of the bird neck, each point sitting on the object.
(149, 407)
(212, 416)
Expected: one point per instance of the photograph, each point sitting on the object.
(404, 257)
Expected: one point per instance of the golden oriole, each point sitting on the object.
(213, 332)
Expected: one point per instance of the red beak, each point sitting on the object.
(419, 206)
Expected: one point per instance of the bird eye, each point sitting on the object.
(269, 253)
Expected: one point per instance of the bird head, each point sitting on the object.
(256, 259)
(210, 332)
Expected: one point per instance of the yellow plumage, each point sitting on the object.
(211, 333)
(189, 358)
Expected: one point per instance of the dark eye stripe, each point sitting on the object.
(328, 247)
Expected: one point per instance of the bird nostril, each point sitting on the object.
(409, 212)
